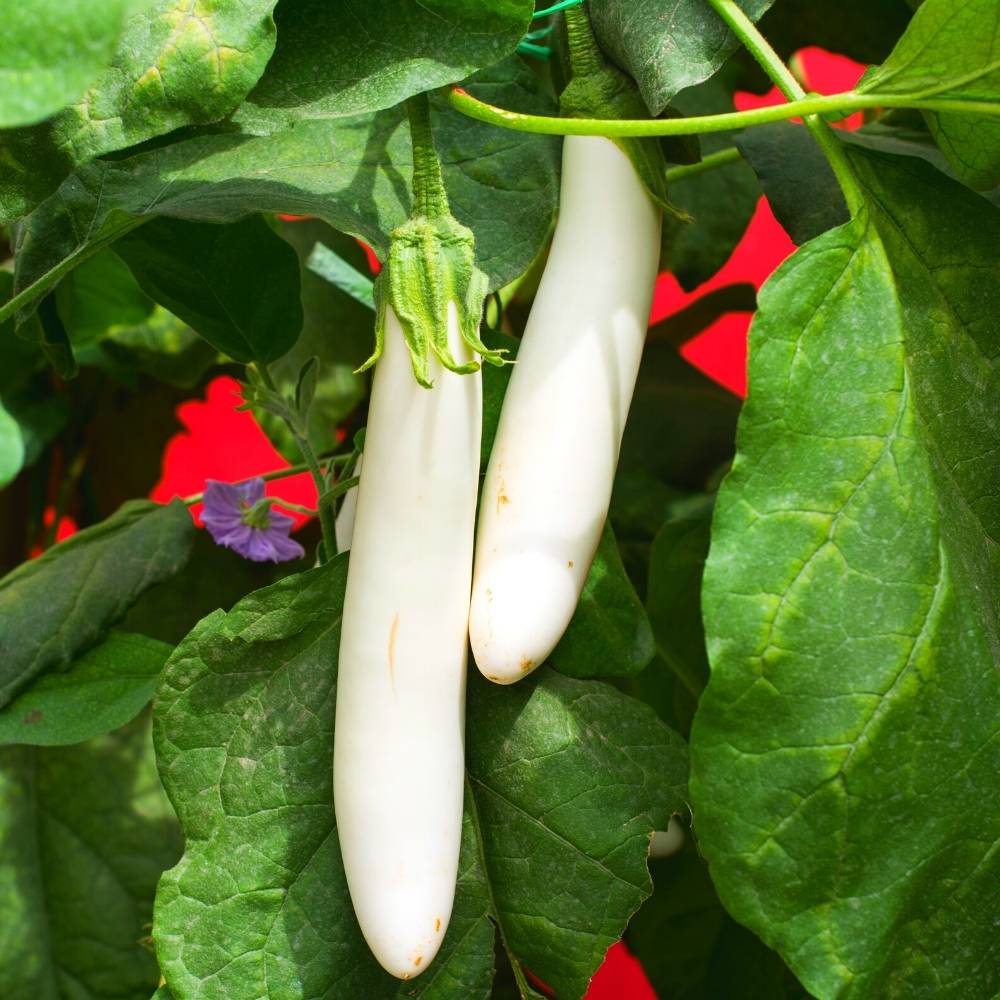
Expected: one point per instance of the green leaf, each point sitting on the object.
(721, 202)
(353, 173)
(845, 748)
(673, 597)
(50, 50)
(793, 25)
(337, 329)
(951, 50)
(162, 346)
(609, 634)
(333, 268)
(177, 63)
(258, 905)
(691, 949)
(56, 606)
(213, 577)
(796, 177)
(102, 690)
(666, 45)
(98, 296)
(11, 447)
(236, 285)
(350, 58)
(86, 831)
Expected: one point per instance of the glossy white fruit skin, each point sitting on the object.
(398, 769)
(548, 485)
(344, 525)
(663, 843)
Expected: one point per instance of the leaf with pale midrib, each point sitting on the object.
(352, 172)
(845, 750)
(566, 780)
(54, 607)
(85, 832)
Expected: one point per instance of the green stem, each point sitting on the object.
(291, 470)
(584, 53)
(42, 284)
(844, 103)
(429, 196)
(713, 161)
(326, 519)
(769, 60)
(555, 8)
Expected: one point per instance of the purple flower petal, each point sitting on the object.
(224, 515)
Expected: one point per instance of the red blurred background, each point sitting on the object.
(220, 443)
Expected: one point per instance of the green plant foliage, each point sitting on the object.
(851, 606)
(50, 50)
(353, 57)
(951, 50)
(11, 447)
(720, 202)
(101, 690)
(259, 904)
(351, 172)
(609, 634)
(667, 45)
(237, 285)
(84, 833)
(56, 606)
(794, 174)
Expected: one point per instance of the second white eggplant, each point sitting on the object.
(548, 485)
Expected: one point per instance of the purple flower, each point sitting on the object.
(238, 516)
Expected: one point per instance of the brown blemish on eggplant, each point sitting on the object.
(526, 664)
(570, 564)
(437, 923)
(393, 630)
(418, 959)
(502, 498)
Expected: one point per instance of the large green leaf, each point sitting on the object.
(845, 749)
(609, 634)
(177, 63)
(666, 45)
(354, 56)
(54, 607)
(351, 172)
(84, 833)
(50, 50)
(102, 690)
(566, 780)
(800, 185)
(951, 50)
(691, 949)
(236, 285)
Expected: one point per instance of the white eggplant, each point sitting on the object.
(344, 525)
(399, 741)
(548, 485)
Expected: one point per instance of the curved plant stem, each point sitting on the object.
(301, 436)
(291, 470)
(813, 104)
(713, 161)
(772, 64)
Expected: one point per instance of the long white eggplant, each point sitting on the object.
(399, 742)
(344, 525)
(550, 474)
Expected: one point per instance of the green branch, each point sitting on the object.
(813, 104)
(713, 161)
(772, 64)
